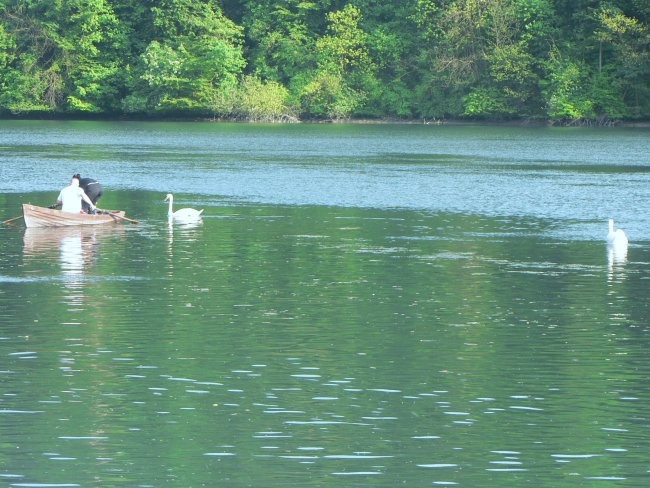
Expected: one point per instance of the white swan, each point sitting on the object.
(184, 214)
(616, 238)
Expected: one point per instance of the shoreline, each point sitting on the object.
(524, 122)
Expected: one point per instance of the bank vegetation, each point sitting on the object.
(564, 61)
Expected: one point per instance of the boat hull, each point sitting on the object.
(47, 217)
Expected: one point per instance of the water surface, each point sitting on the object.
(360, 306)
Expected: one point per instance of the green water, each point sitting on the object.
(280, 343)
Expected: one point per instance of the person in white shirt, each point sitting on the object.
(71, 196)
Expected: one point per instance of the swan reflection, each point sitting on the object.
(183, 224)
(616, 256)
(183, 233)
(617, 243)
(616, 261)
(186, 230)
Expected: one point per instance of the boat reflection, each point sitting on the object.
(76, 250)
(74, 244)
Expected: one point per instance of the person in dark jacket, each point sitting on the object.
(93, 189)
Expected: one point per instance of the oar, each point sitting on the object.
(113, 214)
(20, 216)
(11, 220)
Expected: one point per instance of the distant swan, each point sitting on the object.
(616, 238)
(183, 213)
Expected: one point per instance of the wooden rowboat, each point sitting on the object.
(47, 217)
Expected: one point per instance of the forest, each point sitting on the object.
(563, 61)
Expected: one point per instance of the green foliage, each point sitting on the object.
(394, 98)
(263, 102)
(485, 102)
(326, 95)
(343, 49)
(566, 90)
(340, 83)
(270, 59)
(280, 43)
(629, 40)
(7, 47)
(58, 59)
(425, 16)
(512, 71)
(608, 94)
(192, 71)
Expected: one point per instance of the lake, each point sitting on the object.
(365, 305)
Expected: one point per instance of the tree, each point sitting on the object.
(485, 58)
(281, 43)
(564, 59)
(518, 35)
(627, 71)
(566, 89)
(193, 64)
(263, 101)
(57, 62)
(344, 69)
(455, 61)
